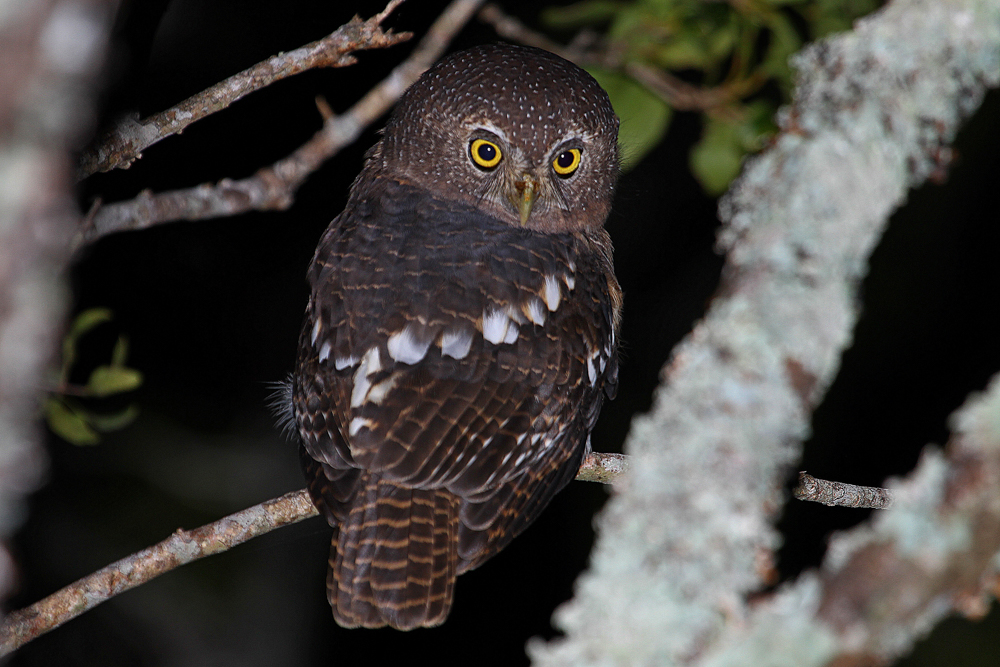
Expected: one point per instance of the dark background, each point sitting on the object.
(212, 310)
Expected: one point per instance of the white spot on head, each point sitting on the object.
(403, 346)
(495, 323)
(456, 344)
(551, 293)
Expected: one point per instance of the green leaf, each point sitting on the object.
(69, 424)
(784, 42)
(107, 380)
(716, 158)
(82, 323)
(120, 353)
(89, 319)
(580, 14)
(644, 116)
(115, 421)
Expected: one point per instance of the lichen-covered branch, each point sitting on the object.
(602, 467)
(185, 546)
(273, 187)
(125, 142)
(883, 585)
(679, 546)
(50, 54)
(936, 552)
(840, 494)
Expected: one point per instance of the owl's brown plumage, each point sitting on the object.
(461, 330)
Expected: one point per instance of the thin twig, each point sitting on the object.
(675, 92)
(185, 546)
(839, 494)
(602, 467)
(125, 142)
(20, 627)
(272, 187)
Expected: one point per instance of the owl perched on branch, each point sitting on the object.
(462, 328)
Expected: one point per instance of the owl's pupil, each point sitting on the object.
(486, 152)
(565, 160)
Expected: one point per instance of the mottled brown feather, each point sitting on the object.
(453, 361)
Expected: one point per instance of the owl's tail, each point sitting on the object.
(393, 561)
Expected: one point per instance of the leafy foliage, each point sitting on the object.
(65, 412)
(726, 60)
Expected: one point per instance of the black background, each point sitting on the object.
(213, 308)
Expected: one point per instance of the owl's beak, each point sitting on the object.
(524, 194)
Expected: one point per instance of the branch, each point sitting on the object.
(936, 552)
(840, 494)
(185, 546)
(679, 546)
(273, 187)
(125, 142)
(677, 93)
(603, 467)
(51, 52)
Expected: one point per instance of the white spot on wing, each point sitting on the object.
(340, 363)
(535, 311)
(356, 425)
(371, 363)
(591, 370)
(378, 392)
(495, 325)
(403, 346)
(456, 344)
(317, 327)
(570, 281)
(324, 352)
(512, 331)
(551, 293)
(515, 315)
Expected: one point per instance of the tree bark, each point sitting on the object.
(688, 534)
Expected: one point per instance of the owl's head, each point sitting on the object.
(518, 132)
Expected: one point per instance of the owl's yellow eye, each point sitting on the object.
(484, 153)
(567, 162)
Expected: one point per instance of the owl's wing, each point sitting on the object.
(475, 363)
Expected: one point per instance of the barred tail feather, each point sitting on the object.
(393, 561)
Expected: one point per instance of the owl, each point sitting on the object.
(462, 328)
